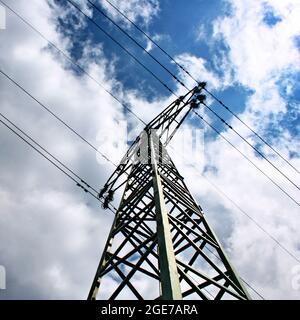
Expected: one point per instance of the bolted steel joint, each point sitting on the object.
(194, 104)
(201, 98)
(202, 85)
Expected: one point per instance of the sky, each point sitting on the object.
(51, 233)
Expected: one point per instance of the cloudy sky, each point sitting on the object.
(52, 233)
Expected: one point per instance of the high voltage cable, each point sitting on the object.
(149, 38)
(56, 117)
(72, 61)
(138, 61)
(118, 101)
(206, 90)
(88, 75)
(246, 157)
(122, 47)
(46, 157)
(85, 73)
(239, 276)
(122, 103)
(251, 287)
(217, 116)
(251, 145)
(245, 213)
(33, 142)
(80, 182)
(255, 133)
(47, 152)
(138, 44)
(250, 218)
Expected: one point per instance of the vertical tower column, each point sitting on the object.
(170, 285)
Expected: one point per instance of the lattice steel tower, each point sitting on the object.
(159, 232)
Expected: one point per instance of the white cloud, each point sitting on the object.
(201, 33)
(156, 38)
(258, 53)
(198, 68)
(47, 223)
(260, 56)
(55, 232)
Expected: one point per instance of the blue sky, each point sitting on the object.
(247, 51)
(188, 27)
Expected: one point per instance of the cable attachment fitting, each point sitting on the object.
(201, 98)
(179, 100)
(110, 195)
(102, 191)
(120, 167)
(194, 104)
(202, 85)
(108, 198)
(197, 100)
(82, 187)
(196, 90)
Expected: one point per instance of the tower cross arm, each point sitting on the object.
(171, 118)
(165, 125)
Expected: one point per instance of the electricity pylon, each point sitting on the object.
(160, 245)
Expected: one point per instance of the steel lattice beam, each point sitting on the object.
(159, 232)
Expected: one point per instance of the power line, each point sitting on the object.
(239, 276)
(251, 287)
(164, 85)
(71, 172)
(206, 90)
(46, 157)
(138, 61)
(110, 94)
(210, 109)
(266, 175)
(250, 218)
(67, 57)
(56, 117)
(252, 146)
(47, 152)
(150, 39)
(73, 62)
(121, 29)
(123, 48)
(80, 68)
(80, 182)
(138, 44)
(255, 133)
(222, 193)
